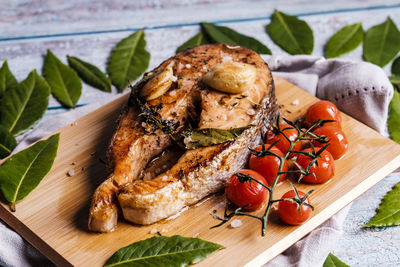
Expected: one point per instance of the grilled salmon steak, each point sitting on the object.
(206, 87)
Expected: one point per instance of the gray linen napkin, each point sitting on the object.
(360, 89)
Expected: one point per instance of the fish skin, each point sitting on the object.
(199, 172)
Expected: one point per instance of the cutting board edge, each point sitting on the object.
(326, 213)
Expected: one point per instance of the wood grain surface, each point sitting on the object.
(53, 218)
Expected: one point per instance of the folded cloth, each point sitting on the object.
(360, 89)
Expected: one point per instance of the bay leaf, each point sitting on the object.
(65, 84)
(345, 40)
(381, 43)
(198, 39)
(23, 171)
(225, 35)
(7, 142)
(290, 33)
(163, 251)
(208, 137)
(395, 80)
(128, 60)
(22, 107)
(394, 117)
(388, 212)
(90, 74)
(333, 261)
(7, 79)
(396, 66)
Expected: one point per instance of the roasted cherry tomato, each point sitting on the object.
(323, 110)
(283, 143)
(288, 211)
(323, 171)
(337, 139)
(268, 166)
(242, 194)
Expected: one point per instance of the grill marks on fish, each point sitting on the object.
(198, 172)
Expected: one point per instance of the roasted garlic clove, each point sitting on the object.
(231, 77)
(159, 84)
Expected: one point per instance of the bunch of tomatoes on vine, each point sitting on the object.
(307, 151)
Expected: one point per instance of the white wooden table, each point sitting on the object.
(89, 29)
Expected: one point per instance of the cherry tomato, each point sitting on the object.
(323, 171)
(283, 143)
(268, 166)
(323, 110)
(242, 194)
(337, 139)
(288, 211)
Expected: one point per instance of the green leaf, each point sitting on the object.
(7, 79)
(388, 212)
(396, 66)
(128, 60)
(90, 74)
(394, 117)
(7, 142)
(395, 79)
(21, 173)
(291, 34)
(198, 39)
(209, 137)
(333, 261)
(344, 41)
(23, 107)
(225, 35)
(64, 82)
(163, 251)
(381, 43)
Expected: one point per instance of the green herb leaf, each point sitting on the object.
(396, 66)
(7, 79)
(21, 173)
(344, 41)
(395, 80)
(7, 142)
(225, 35)
(23, 107)
(291, 34)
(209, 137)
(388, 212)
(128, 60)
(333, 261)
(394, 117)
(198, 39)
(64, 82)
(163, 251)
(381, 43)
(90, 74)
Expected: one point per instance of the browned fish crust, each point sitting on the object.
(199, 172)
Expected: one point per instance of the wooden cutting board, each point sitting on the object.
(53, 218)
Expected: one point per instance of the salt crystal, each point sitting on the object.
(172, 93)
(153, 231)
(251, 112)
(174, 78)
(187, 66)
(295, 102)
(143, 124)
(236, 223)
(164, 230)
(71, 173)
(232, 47)
(196, 235)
